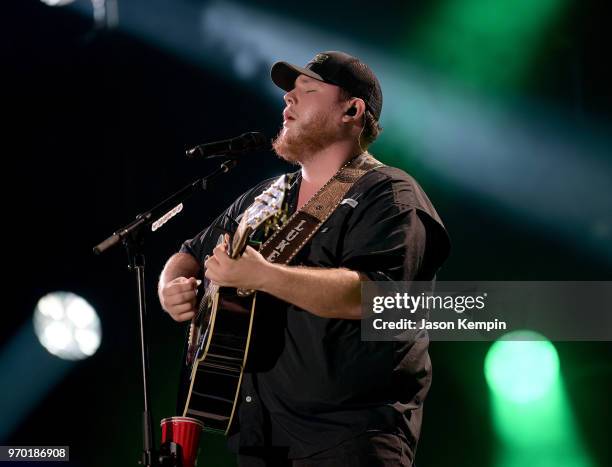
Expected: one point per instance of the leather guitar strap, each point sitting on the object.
(287, 242)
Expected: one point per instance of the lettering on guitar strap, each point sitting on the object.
(286, 241)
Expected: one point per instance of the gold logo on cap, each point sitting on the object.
(319, 58)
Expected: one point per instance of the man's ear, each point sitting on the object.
(354, 110)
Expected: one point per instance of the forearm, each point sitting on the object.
(328, 293)
(179, 265)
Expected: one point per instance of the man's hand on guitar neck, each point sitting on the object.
(246, 272)
(328, 293)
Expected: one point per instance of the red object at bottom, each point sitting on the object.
(185, 432)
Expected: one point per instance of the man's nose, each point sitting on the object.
(290, 97)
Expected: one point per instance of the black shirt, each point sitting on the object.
(311, 382)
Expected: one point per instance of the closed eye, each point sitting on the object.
(310, 90)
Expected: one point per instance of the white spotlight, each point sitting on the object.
(67, 326)
(57, 2)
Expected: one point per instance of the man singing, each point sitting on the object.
(315, 394)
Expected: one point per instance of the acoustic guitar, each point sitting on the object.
(220, 333)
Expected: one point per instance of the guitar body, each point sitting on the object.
(220, 333)
(216, 375)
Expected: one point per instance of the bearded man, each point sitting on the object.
(315, 394)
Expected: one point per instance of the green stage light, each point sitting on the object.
(486, 43)
(531, 414)
(522, 367)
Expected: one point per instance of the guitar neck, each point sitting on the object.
(239, 241)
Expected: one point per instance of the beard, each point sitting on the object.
(299, 143)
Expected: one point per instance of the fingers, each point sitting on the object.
(218, 259)
(183, 317)
(188, 312)
(179, 296)
(211, 263)
(220, 249)
(212, 267)
(211, 275)
(182, 311)
(181, 285)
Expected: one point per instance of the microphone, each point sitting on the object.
(245, 143)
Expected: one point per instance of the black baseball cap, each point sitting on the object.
(337, 68)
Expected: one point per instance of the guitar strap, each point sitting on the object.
(287, 242)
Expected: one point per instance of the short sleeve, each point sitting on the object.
(204, 242)
(385, 238)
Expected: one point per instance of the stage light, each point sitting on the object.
(516, 155)
(67, 326)
(56, 2)
(501, 31)
(522, 366)
(532, 417)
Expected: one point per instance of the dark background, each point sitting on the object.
(95, 124)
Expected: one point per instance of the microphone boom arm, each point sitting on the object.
(134, 228)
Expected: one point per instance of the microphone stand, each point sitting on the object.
(132, 238)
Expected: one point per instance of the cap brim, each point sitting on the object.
(284, 74)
